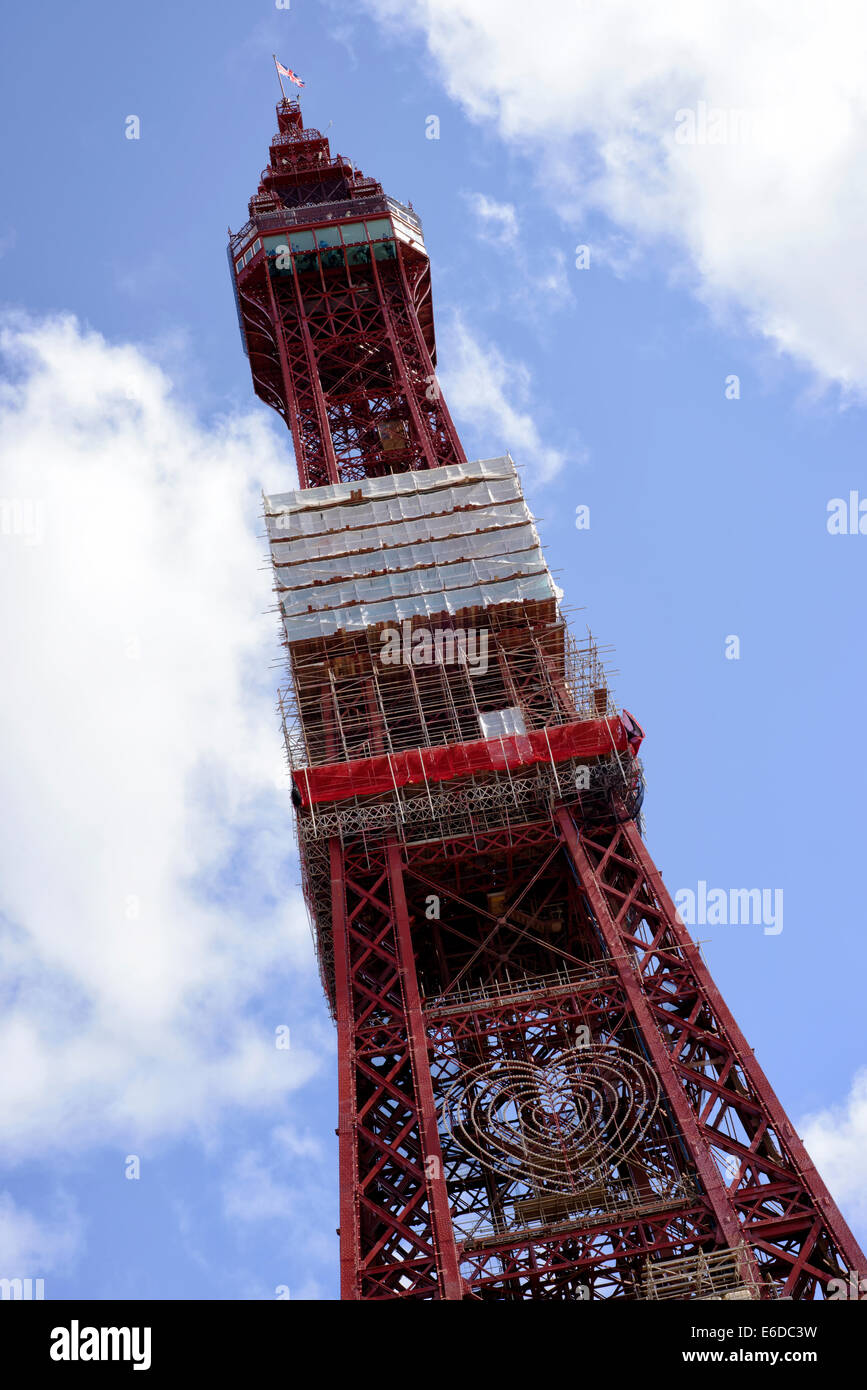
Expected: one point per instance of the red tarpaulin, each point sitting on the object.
(371, 776)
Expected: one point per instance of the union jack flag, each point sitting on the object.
(287, 72)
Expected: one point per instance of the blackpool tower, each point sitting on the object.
(542, 1094)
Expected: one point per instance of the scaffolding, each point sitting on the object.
(541, 1216)
(418, 615)
(343, 701)
(418, 814)
(702, 1275)
(542, 1094)
(348, 557)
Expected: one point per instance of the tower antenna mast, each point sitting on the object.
(279, 78)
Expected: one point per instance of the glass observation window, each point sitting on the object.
(358, 255)
(353, 232)
(302, 241)
(385, 251)
(380, 227)
(328, 236)
(277, 251)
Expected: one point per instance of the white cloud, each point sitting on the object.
(490, 393)
(538, 275)
(293, 1145)
(31, 1247)
(145, 897)
(252, 1194)
(770, 222)
(836, 1140)
(498, 222)
(285, 1184)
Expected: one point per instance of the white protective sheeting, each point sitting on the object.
(406, 506)
(323, 624)
(409, 556)
(395, 485)
(351, 555)
(502, 723)
(289, 549)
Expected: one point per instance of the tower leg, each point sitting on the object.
(760, 1175)
(395, 1227)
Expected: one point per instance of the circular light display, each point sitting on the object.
(558, 1126)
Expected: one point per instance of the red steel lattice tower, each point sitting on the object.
(542, 1094)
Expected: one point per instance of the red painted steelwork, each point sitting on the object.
(370, 776)
(542, 1094)
(339, 336)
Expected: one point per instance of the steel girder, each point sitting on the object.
(719, 1166)
(541, 949)
(339, 353)
(395, 1227)
(782, 1205)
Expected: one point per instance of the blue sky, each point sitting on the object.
(708, 519)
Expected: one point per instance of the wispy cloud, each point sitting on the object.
(497, 222)
(147, 904)
(33, 1246)
(493, 395)
(737, 141)
(836, 1140)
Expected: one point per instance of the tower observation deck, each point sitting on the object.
(542, 1094)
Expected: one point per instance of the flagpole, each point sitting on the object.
(279, 78)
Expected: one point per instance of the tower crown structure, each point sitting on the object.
(542, 1094)
(333, 287)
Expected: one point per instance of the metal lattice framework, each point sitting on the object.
(341, 345)
(542, 1094)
